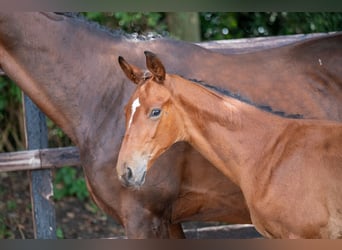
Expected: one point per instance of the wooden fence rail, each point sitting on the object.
(39, 159)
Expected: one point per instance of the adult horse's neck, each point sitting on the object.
(42, 56)
(235, 134)
(69, 68)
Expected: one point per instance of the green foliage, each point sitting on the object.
(95, 16)
(11, 138)
(130, 22)
(5, 232)
(56, 136)
(9, 94)
(11, 205)
(59, 233)
(225, 25)
(68, 182)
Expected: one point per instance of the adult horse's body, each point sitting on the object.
(289, 170)
(68, 68)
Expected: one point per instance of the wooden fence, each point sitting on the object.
(40, 159)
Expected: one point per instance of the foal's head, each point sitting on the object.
(153, 122)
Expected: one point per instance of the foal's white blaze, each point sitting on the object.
(135, 105)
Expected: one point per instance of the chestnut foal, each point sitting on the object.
(289, 170)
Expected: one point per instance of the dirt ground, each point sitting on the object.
(74, 218)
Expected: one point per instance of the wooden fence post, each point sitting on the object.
(44, 216)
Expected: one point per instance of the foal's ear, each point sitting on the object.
(155, 66)
(132, 72)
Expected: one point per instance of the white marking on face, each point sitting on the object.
(135, 105)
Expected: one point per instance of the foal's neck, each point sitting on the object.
(231, 134)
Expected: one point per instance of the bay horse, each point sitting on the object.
(67, 66)
(289, 170)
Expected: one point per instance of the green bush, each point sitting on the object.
(130, 22)
(5, 232)
(226, 25)
(59, 233)
(69, 182)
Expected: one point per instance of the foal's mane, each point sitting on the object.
(245, 100)
(114, 32)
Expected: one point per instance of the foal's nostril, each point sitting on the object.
(142, 180)
(129, 178)
(129, 173)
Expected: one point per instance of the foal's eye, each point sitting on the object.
(155, 113)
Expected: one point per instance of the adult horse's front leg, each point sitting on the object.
(143, 224)
(176, 231)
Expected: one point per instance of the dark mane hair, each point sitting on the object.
(114, 32)
(245, 100)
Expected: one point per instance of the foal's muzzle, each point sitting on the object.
(132, 177)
